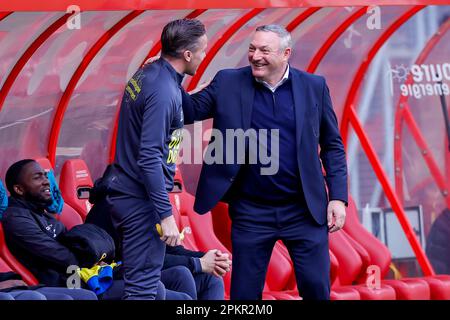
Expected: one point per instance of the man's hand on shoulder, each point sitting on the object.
(151, 60)
(335, 215)
(201, 86)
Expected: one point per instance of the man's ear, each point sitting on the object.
(287, 53)
(18, 189)
(187, 55)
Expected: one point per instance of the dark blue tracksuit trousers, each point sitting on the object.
(199, 286)
(142, 249)
(256, 228)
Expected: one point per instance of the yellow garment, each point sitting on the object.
(87, 273)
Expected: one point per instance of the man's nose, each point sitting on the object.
(256, 55)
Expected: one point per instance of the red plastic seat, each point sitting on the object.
(222, 223)
(75, 182)
(13, 263)
(350, 266)
(44, 163)
(69, 217)
(439, 287)
(340, 292)
(407, 288)
(4, 267)
(410, 289)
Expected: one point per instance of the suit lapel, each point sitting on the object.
(247, 96)
(300, 102)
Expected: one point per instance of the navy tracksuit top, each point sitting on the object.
(149, 135)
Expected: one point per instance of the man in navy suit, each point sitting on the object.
(290, 204)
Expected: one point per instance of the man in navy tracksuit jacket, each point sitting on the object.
(290, 204)
(149, 135)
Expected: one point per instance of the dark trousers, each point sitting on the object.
(55, 293)
(49, 293)
(142, 249)
(256, 228)
(199, 286)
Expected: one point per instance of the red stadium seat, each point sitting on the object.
(340, 292)
(410, 289)
(222, 223)
(350, 262)
(406, 289)
(4, 267)
(69, 217)
(44, 163)
(350, 266)
(439, 287)
(13, 263)
(75, 182)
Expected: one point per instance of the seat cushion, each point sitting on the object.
(385, 292)
(439, 287)
(344, 293)
(410, 289)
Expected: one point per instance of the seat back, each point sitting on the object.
(75, 182)
(222, 223)
(363, 254)
(4, 267)
(69, 217)
(334, 267)
(13, 263)
(378, 252)
(350, 262)
(44, 163)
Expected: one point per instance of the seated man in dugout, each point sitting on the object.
(32, 234)
(200, 273)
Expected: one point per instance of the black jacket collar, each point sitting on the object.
(20, 203)
(175, 75)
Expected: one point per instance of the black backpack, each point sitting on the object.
(90, 244)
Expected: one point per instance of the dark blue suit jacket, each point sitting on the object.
(229, 101)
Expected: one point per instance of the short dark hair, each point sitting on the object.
(180, 35)
(14, 174)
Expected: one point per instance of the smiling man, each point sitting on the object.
(31, 233)
(291, 205)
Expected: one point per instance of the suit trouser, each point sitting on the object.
(256, 228)
(142, 249)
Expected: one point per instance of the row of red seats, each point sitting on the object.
(352, 250)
